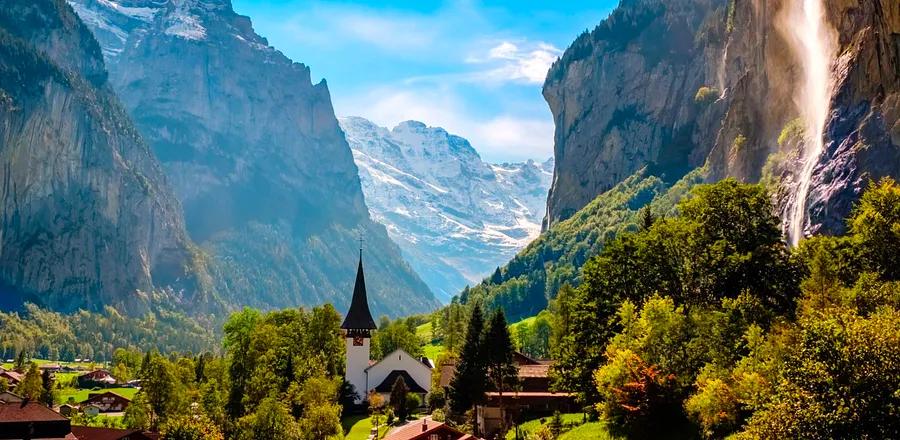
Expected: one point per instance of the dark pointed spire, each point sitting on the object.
(359, 317)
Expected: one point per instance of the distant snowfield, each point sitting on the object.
(455, 217)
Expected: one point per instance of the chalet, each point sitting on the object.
(90, 433)
(107, 401)
(427, 429)
(380, 376)
(12, 377)
(67, 410)
(90, 410)
(532, 397)
(96, 378)
(31, 420)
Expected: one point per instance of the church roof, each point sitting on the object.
(359, 317)
(388, 383)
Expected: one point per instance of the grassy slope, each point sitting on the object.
(433, 347)
(593, 431)
(358, 427)
(531, 426)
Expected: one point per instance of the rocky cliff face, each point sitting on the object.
(737, 61)
(454, 216)
(254, 152)
(86, 217)
(623, 97)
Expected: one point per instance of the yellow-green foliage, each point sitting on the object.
(791, 132)
(706, 95)
(738, 145)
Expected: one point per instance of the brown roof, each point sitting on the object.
(89, 433)
(539, 370)
(13, 375)
(415, 431)
(27, 412)
(95, 397)
(529, 394)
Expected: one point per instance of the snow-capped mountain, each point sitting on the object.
(454, 216)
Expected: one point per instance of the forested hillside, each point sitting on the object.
(525, 285)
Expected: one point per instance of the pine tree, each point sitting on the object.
(501, 369)
(398, 399)
(47, 391)
(647, 218)
(468, 385)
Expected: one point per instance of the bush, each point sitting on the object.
(707, 95)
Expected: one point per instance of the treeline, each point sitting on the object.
(707, 324)
(44, 334)
(281, 376)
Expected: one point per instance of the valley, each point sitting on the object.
(711, 251)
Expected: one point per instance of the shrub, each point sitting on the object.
(707, 95)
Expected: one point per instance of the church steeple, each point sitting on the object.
(359, 318)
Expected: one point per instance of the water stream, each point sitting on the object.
(816, 49)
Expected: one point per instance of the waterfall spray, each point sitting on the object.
(815, 43)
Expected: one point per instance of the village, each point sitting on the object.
(82, 400)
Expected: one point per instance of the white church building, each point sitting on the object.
(380, 376)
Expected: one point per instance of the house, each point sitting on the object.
(31, 420)
(53, 368)
(533, 396)
(10, 397)
(107, 401)
(12, 377)
(380, 376)
(90, 433)
(91, 410)
(95, 379)
(67, 410)
(427, 429)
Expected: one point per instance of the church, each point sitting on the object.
(362, 373)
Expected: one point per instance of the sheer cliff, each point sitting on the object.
(254, 153)
(86, 216)
(677, 84)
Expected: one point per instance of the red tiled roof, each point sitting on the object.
(413, 431)
(27, 412)
(89, 433)
(529, 394)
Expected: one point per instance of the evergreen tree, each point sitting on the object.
(30, 387)
(501, 369)
(47, 390)
(468, 385)
(497, 277)
(647, 218)
(4, 384)
(20, 362)
(398, 399)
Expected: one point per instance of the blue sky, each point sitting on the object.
(472, 67)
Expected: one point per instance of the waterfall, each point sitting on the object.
(815, 47)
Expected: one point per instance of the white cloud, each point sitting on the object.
(526, 62)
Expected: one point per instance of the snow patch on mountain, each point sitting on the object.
(455, 217)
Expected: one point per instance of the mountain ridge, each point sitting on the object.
(455, 216)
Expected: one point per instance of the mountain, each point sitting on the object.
(86, 216)
(745, 86)
(454, 216)
(727, 88)
(254, 153)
